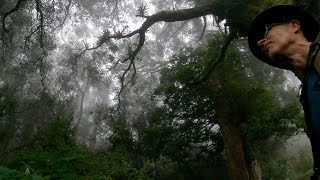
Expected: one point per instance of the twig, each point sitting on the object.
(175, 32)
(66, 15)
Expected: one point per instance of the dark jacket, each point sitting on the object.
(310, 99)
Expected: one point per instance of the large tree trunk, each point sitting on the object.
(230, 128)
(234, 151)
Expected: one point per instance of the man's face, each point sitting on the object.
(277, 39)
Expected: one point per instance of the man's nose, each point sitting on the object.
(261, 42)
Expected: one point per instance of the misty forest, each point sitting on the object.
(145, 89)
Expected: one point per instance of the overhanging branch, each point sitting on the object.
(231, 36)
(131, 58)
(163, 16)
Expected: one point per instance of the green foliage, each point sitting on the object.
(277, 169)
(297, 165)
(7, 174)
(178, 140)
(8, 104)
(301, 163)
(55, 155)
(257, 112)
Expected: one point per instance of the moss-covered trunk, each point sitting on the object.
(234, 151)
(229, 124)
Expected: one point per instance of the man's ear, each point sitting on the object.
(295, 24)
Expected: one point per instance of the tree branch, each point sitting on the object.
(38, 8)
(131, 57)
(66, 15)
(122, 78)
(231, 36)
(163, 16)
(204, 27)
(16, 8)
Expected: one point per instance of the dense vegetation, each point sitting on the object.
(82, 96)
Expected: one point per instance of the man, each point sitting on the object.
(286, 37)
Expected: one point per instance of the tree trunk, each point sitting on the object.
(76, 126)
(230, 128)
(83, 93)
(93, 138)
(255, 170)
(234, 151)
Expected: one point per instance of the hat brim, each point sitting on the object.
(280, 14)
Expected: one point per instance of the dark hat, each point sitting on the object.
(280, 14)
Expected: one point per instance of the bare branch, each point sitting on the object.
(115, 7)
(138, 48)
(232, 35)
(16, 8)
(204, 27)
(30, 35)
(218, 25)
(163, 16)
(131, 58)
(38, 8)
(122, 78)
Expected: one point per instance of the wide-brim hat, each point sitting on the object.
(280, 14)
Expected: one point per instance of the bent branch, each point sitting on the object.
(16, 8)
(163, 16)
(231, 36)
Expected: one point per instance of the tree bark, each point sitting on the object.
(230, 128)
(93, 137)
(234, 151)
(83, 93)
(76, 126)
(255, 170)
(96, 124)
